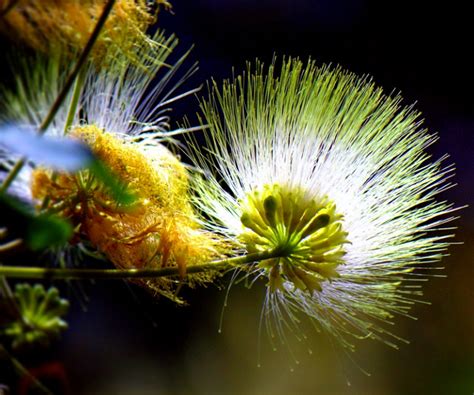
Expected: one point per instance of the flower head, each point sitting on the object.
(124, 121)
(303, 231)
(41, 315)
(331, 177)
(67, 24)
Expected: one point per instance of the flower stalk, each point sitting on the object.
(115, 274)
(10, 245)
(23, 371)
(76, 94)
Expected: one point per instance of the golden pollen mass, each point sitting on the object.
(159, 229)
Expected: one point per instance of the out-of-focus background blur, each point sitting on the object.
(128, 342)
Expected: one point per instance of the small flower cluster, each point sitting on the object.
(41, 311)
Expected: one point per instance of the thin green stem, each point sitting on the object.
(64, 91)
(22, 371)
(77, 68)
(12, 175)
(5, 290)
(76, 95)
(10, 245)
(113, 274)
(7, 295)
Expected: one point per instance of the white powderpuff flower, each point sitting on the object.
(330, 178)
(124, 99)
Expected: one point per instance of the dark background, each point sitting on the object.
(128, 342)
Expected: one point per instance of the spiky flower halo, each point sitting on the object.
(330, 175)
(124, 120)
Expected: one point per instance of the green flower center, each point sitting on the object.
(305, 233)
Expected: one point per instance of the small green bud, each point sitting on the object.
(41, 313)
(270, 207)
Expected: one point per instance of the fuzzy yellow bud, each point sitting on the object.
(158, 230)
(50, 24)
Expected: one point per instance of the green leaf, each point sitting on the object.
(47, 231)
(39, 232)
(117, 189)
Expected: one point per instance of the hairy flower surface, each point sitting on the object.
(123, 120)
(330, 176)
(67, 24)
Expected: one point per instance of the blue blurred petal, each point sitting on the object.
(57, 153)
